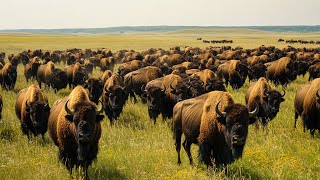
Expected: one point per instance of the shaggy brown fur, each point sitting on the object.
(311, 107)
(106, 75)
(32, 95)
(299, 100)
(66, 130)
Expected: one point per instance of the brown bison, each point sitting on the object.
(311, 107)
(211, 82)
(8, 76)
(74, 126)
(155, 98)
(201, 121)
(44, 72)
(257, 71)
(2, 57)
(298, 102)
(32, 109)
(106, 74)
(95, 88)
(281, 71)
(135, 81)
(76, 74)
(314, 71)
(223, 129)
(268, 99)
(114, 97)
(31, 68)
(107, 64)
(233, 71)
(127, 67)
(58, 79)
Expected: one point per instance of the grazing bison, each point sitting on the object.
(298, 102)
(135, 81)
(267, 98)
(233, 71)
(155, 98)
(127, 67)
(95, 88)
(311, 107)
(107, 64)
(281, 71)
(44, 72)
(223, 129)
(32, 109)
(114, 97)
(8, 76)
(257, 71)
(76, 74)
(58, 79)
(31, 68)
(211, 82)
(186, 120)
(74, 126)
(2, 57)
(106, 74)
(314, 71)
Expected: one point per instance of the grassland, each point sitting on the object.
(135, 148)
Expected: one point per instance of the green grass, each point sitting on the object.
(135, 148)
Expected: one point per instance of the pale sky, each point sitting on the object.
(46, 14)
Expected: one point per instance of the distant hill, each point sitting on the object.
(126, 29)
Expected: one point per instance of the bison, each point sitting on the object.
(8, 76)
(311, 107)
(233, 71)
(95, 88)
(74, 127)
(114, 97)
(268, 99)
(221, 135)
(32, 109)
(223, 129)
(135, 81)
(298, 102)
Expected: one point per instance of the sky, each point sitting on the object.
(56, 14)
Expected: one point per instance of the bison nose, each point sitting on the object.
(238, 141)
(84, 137)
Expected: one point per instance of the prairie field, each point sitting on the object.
(135, 148)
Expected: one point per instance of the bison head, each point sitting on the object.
(155, 96)
(116, 97)
(273, 98)
(95, 88)
(84, 116)
(179, 92)
(235, 119)
(38, 113)
(195, 87)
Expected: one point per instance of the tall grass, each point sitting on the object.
(135, 148)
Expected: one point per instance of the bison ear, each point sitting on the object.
(282, 99)
(99, 118)
(69, 117)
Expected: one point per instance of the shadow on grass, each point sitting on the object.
(7, 134)
(106, 172)
(245, 173)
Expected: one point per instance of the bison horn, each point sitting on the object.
(255, 111)
(284, 92)
(27, 103)
(99, 110)
(317, 94)
(67, 109)
(222, 114)
(202, 83)
(142, 88)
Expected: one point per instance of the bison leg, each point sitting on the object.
(186, 145)
(178, 135)
(132, 95)
(296, 115)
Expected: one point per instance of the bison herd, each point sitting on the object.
(186, 85)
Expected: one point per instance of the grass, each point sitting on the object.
(135, 148)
